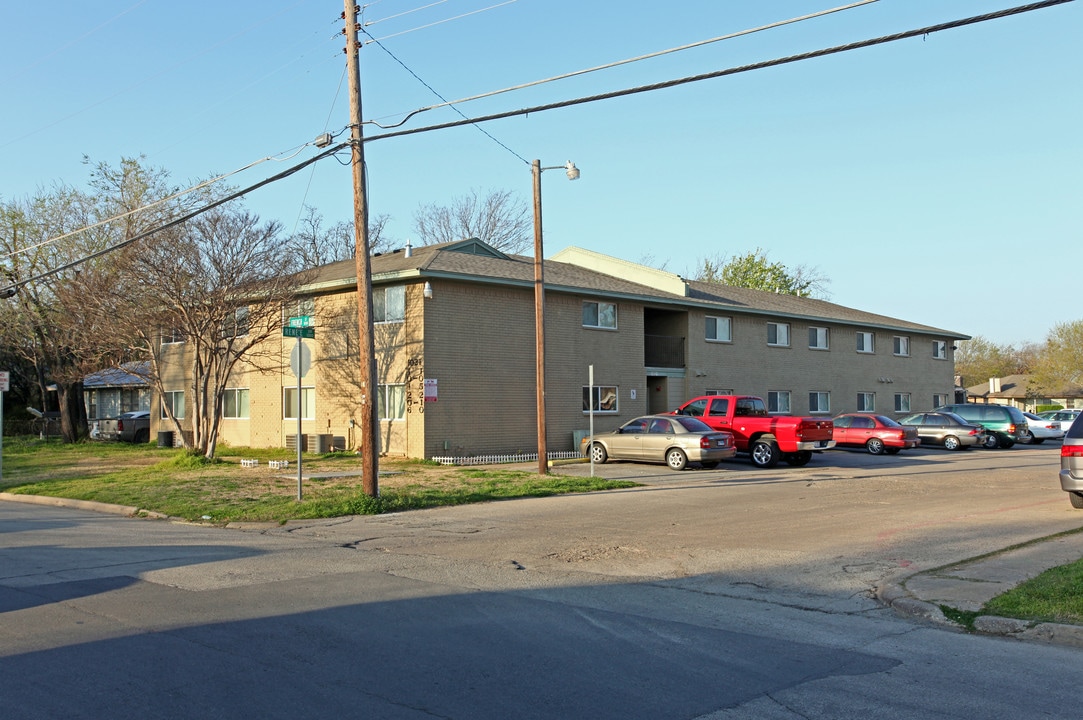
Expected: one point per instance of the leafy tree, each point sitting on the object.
(978, 359)
(1061, 364)
(498, 219)
(754, 270)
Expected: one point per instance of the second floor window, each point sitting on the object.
(865, 342)
(389, 304)
(600, 315)
(718, 329)
(236, 325)
(778, 334)
(817, 338)
(940, 350)
(902, 345)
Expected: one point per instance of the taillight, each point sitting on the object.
(1011, 429)
(1073, 451)
(705, 442)
(120, 424)
(975, 431)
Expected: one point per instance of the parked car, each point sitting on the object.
(134, 427)
(1064, 417)
(1071, 464)
(1002, 423)
(1039, 430)
(670, 439)
(947, 429)
(878, 434)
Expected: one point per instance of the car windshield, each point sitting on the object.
(957, 418)
(691, 424)
(886, 421)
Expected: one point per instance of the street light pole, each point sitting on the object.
(539, 308)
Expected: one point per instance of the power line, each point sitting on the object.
(731, 71)
(447, 20)
(618, 63)
(16, 284)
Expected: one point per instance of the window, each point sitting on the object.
(308, 403)
(391, 401)
(902, 345)
(817, 338)
(819, 402)
(939, 400)
(865, 342)
(600, 315)
(778, 401)
(866, 401)
(902, 402)
(602, 399)
(235, 403)
(172, 336)
(940, 350)
(300, 308)
(778, 334)
(236, 325)
(718, 329)
(173, 399)
(389, 304)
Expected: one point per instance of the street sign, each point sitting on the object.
(300, 360)
(299, 332)
(302, 321)
(5, 381)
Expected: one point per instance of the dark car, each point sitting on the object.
(878, 434)
(947, 429)
(1003, 424)
(134, 427)
(1071, 463)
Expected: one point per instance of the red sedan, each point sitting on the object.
(876, 433)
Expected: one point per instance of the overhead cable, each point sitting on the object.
(729, 71)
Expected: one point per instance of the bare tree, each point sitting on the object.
(315, 243)
(498, 219)
(218, 284)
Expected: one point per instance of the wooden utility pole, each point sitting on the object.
(369, 427)
(539, 322)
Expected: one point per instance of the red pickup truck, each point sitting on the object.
(766, 438)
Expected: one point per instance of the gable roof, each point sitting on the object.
(126, 376)
(575, 270)
(1017, 387)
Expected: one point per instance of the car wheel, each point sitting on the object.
(991, 441)
(598, 453)
(875, 446)
(676, 459)
(709, 465)
(1006, 443)
(951, 443)
(1076, 499)
(1026, 438)
(799, 458)
(765, 453)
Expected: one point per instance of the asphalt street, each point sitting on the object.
(732, 593)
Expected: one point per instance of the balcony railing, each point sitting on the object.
(663, 351)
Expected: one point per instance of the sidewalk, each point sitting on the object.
(969, 584)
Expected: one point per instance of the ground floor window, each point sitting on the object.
(819, 402)
(235, 403)
(939, 399)
(902, 402)
(173, 399)
(778, 401)
(308, 403)
(391, 401)
(866, 402)
(600, 399)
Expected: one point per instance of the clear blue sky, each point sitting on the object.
(902, 172)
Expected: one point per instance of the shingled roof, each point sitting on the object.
(578, 271)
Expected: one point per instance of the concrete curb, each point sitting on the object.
(125, 510)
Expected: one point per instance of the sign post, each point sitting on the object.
(300, 362)
(5, 383)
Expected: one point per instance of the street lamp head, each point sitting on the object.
(572, 170)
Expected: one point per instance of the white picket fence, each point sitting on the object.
(503, 459)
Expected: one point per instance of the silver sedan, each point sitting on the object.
(674, 440)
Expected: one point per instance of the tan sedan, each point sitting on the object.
(674, 440)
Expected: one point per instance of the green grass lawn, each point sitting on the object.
(181, 485)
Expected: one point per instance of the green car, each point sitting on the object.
(1004, 424)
